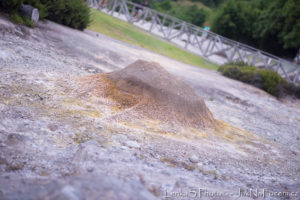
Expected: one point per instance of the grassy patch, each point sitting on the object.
(128, 33)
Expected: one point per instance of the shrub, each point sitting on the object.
(40, 6)
(267, 80)
(271, 81)
(210, 3)
(10, 5)
(295, 90)
(291, 89)
(72, 13)
(191, 14)
(166, 5)
(230, 71)
(28, 22)
(242, 72)
(16, 18)
(238, 63)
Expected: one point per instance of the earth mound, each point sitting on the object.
(148, 89)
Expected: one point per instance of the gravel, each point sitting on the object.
(194, 159)
(132, 144)
(55, 144)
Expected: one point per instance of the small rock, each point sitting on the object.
(16, 139)
(100, 127)
(132, 144)
(194, 159)
(151, 148)
(90, 169)
(165, 172)
(124, 147)
(71, 193)
(200, 165)
(119, 138)
(181, 183)
(52, 127)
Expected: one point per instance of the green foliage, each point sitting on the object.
(28, 22)
(244, 73)
(37, 4)
(238, 63)
(165, 5)
(273, 26)
(279, 22)
(191, 14)
(293, 89)
(271, 81)
(267, 80)
(210, 3)
(16, 18)
(72, 13)
(10, 5)
(235, 20)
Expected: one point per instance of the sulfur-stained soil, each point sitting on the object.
(147, 90)
(69, 132)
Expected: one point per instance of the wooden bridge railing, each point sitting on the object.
(196, 39)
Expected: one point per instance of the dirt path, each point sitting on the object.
(47, 132)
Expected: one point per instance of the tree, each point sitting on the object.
(192, 15)
(235, 20)
(72, 13)
(10, 5)
(273, 26)
(278, 27)
(210, 3)
(37, 4)
(166, 5)
(291, 30)
(197, 16)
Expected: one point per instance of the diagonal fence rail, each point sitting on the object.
(209, 45)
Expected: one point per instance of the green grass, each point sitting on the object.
(130, 34)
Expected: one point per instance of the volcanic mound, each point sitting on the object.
(145, 89)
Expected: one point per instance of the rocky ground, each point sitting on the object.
(55, 144)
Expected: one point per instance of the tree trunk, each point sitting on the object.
(31, 12)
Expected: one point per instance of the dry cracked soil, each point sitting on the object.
(56, 143)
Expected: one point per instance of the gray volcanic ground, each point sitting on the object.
(56, 143)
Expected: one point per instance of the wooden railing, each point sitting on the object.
(195, 39)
